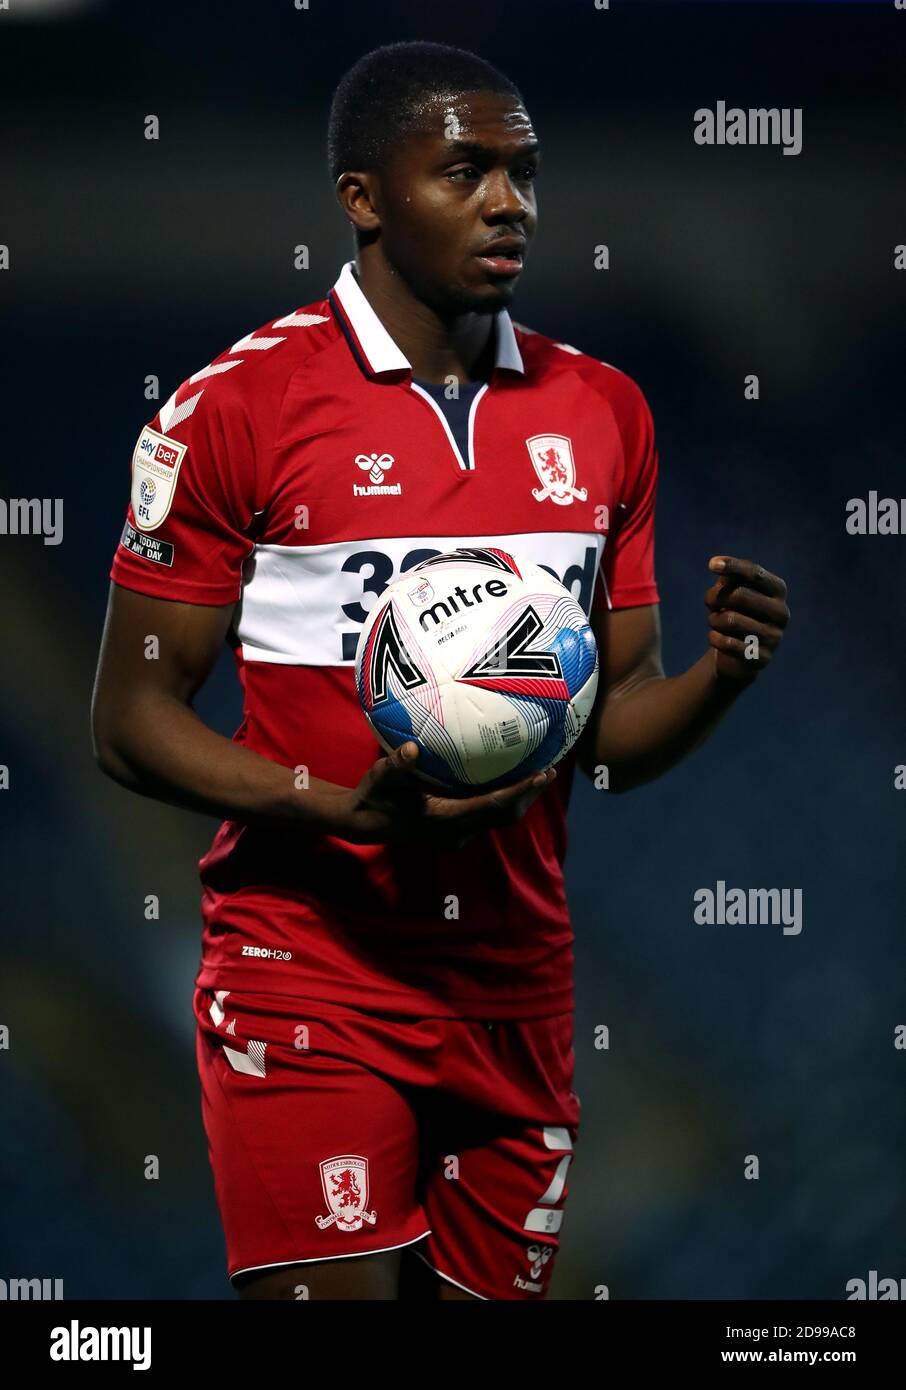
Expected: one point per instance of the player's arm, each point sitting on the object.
(644, 722)
(148, 738)
(155, 656)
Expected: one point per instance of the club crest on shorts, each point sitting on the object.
(155, 468)
(552, 459)
(344, 1182)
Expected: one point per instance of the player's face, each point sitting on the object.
(458, 203)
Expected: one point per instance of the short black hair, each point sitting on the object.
(379, 100)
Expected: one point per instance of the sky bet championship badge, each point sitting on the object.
(155, 468)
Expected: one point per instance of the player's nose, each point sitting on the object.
(505, 201)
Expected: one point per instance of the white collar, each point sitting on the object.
(377, 349)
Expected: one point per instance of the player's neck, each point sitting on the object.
(437, 350)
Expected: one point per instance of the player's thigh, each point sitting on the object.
(418, 1283)
(315, 1156)
(364, 1276)
(495, 1224)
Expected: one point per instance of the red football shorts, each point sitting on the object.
(335, 1132)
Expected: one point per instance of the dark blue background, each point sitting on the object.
(130, 257)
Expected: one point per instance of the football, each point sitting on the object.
(486, 662)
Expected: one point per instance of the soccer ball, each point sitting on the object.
(485, 661)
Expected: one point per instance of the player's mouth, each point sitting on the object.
(505, 257)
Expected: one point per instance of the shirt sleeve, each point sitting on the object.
(626, 576)
(193, 498)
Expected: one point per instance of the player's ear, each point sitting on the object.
(358, 196)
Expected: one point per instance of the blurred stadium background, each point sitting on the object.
(130, 257)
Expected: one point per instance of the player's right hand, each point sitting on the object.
(393, 806)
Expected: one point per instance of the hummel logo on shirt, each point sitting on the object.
(375, 465)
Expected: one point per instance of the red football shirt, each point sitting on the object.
(300, 473)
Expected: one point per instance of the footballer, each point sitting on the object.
(384, 1001)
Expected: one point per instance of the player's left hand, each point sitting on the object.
(748, 614)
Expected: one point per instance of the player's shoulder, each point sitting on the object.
(251, 375)
(543, 355)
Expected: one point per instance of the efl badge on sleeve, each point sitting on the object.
(552, 458)
(344, 1181)
(155, 468)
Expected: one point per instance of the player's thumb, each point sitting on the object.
(398, 780)
(403, 758)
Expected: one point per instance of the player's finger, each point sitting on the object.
(528, 786)
(460, 801)
(504, 806)
(749, 571)
(742, 599)
(739, 624)
(405, 756)
(394, 772)
(736, 647)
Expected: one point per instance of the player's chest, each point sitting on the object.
(365, 487)
(390, 460)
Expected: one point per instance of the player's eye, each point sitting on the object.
(526, 173)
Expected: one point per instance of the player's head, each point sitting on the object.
(433, 157)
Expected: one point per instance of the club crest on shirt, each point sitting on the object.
(344, 1182)
(155, 468)
(552, 459)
